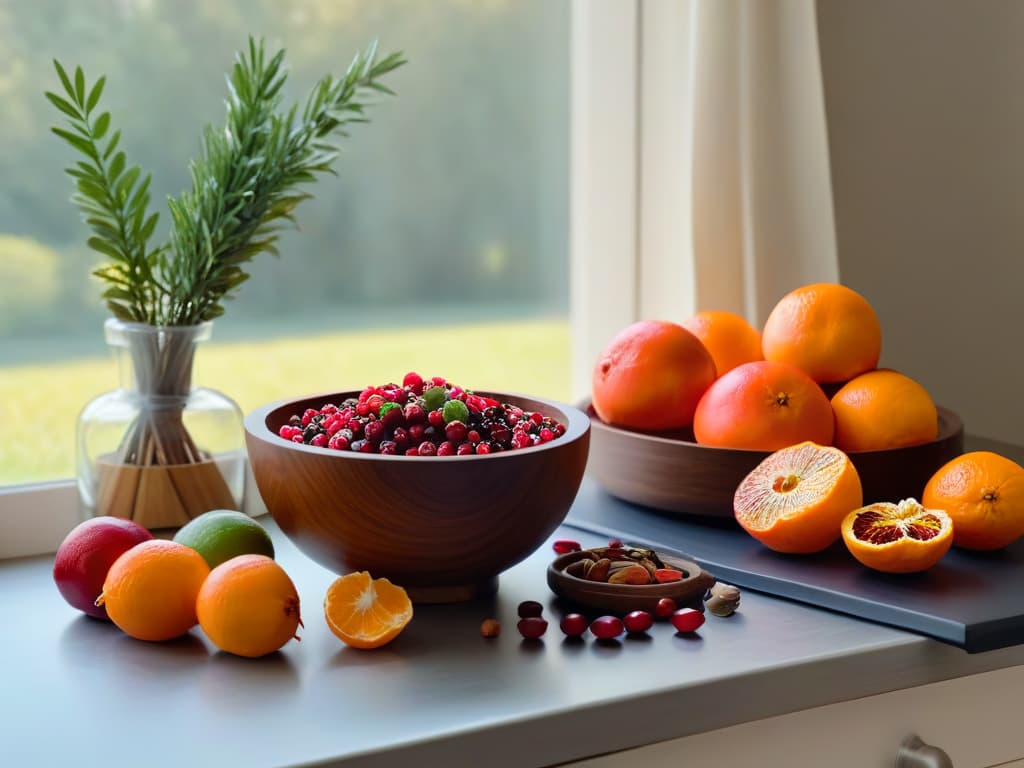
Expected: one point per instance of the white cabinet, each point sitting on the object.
(978, 720)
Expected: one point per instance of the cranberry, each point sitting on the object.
(338, 443)
(665, 607)
(414, 451)
(559, 430)
(563, 546)
(473, 436)
(401, 438)
(362, 409)
(412, 380)
(414, 414)
(374, 402)
(319, 440)
(606, 627)
(546, 435)
(401, 396)
(465, 449)
(297, 438)
(393, 418)
(521, 440)
(447, 448)
(573, 624)
(374, 431)
(436, 418)
(483, 448)
(387, 447)
(307, 416)
(334, 426)
(455, 431)
(615, 544)
(532, 628)
(536, 418)
(416, 434)
(328, 408)
(427, 448)
(638, 621)
(687, 620)
(286, 431)
(438, 381)
(529, 608)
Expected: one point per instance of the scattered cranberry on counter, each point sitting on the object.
(529, 608)
(638, 621)
(606, 627)
(532, 627)
(665, 607)
(573, 624)
(687, 620)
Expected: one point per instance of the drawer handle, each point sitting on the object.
(914, 753)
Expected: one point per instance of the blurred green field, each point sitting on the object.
(39, 404)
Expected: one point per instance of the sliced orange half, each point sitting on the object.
(898, 538)
(795, 500)
(365, 612)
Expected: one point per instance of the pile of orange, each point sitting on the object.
(766, 391)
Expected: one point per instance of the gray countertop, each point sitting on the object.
(77, 692)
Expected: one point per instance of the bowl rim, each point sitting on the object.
(577, 425)
(947, 418)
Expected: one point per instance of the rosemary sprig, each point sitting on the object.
(246, 183)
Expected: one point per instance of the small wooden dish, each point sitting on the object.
(671, 472)
(622, 598)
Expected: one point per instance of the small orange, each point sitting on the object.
(730, 339)
(795, 500)
(827, 330)
(983, 493)
(650, 376)
(150, 591)
(763, 406)
(883, 409)
(898, 538)
(248, 606)
(365, 612)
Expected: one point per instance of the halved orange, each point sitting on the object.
(365, 612)
(795, 500)
(898, 538)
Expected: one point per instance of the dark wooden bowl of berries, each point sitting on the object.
(435, 487)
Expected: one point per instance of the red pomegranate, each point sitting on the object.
(86, 555)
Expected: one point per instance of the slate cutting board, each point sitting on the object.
(972, 600)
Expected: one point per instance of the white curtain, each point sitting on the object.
(731, 97)
(700, 170)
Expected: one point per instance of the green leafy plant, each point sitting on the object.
(246, 182)
(250, 175)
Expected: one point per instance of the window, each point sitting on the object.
(442, 246)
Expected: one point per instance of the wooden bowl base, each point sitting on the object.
(452, 593)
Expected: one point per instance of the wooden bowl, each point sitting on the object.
(620, 599)
(443, 527)
(670, 472)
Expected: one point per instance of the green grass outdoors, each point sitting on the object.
(39, 404)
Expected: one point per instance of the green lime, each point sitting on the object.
(434, 397)
(455, 410)
(222, 534)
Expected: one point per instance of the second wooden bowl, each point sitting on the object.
(672, 473)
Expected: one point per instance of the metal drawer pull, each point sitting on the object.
(914, 753)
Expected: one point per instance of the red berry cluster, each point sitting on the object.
(421, 417)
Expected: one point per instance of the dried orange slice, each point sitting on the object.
(795, 500)
(365, 612)
(898, 538)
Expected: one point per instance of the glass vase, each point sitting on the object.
(158, 450)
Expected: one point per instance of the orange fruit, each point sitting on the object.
(825, 329)
(898, 538)
(150, 591)
(248, 606)
(883, 409)
(650, 376)
(763, 406)
(365, 612)
(983, 493)
(795, 500)
(730, 339)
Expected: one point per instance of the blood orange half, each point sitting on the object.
(795, 500)
(898, 538)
